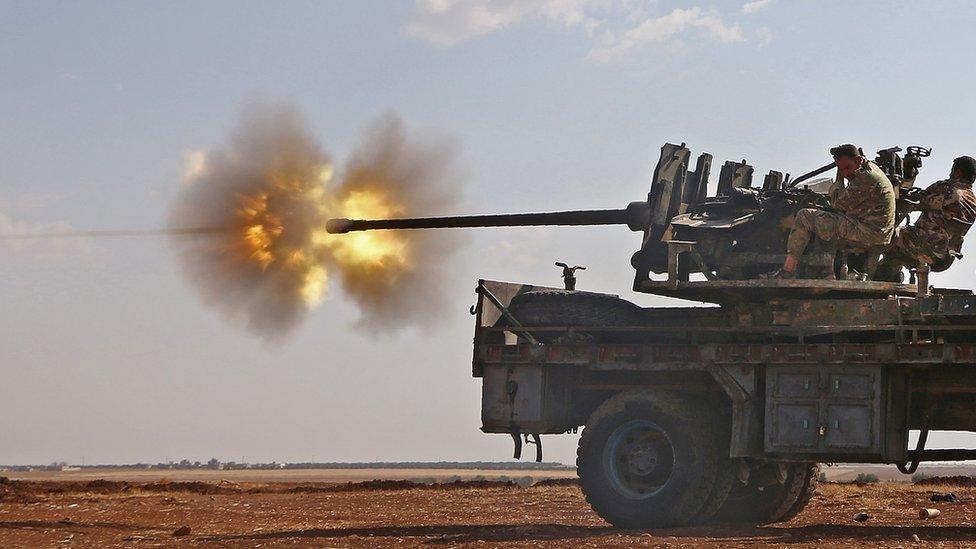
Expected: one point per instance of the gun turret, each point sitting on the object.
(636, 216)
(738, 235)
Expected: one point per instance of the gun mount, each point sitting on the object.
(729, 239)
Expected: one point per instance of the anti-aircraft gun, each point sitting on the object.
(736, 235)
(695, 414)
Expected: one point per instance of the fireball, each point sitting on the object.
(268, 195)
(368, 251)
(282, 233)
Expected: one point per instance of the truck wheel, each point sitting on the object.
(808, 479)
(648, 459)
(719, 493)
(566, 308)
(570, 308)
(776, 502)
(727, 468)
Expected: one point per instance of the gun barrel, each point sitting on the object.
(633, 216)
(812, 174)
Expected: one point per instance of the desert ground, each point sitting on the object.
(239, 511)
(271, 476)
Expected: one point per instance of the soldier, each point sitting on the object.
(948, 210)
(863, 212)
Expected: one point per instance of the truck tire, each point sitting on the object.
(727, 468)
(750, 503)
(648, 459)
(719, 493)
(563, 308)
(808, 481)
(571, 308)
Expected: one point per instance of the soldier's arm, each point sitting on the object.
(910, 200)
(932, 198)
(836, 188)
(849, 198)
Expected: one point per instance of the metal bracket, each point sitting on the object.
(518, 444)
(921, 379)
(675, 249)
(536, 439)
(706, 269)
(529, 438)
(912, 466)
(505, 312)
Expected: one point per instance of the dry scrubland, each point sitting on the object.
(231, 513)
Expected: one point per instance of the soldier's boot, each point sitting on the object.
(890, 271)
(820, 260)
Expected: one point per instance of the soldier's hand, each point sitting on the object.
(911, 193)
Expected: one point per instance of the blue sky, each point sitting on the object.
(107, 351)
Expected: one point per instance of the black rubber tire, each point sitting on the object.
(719, 493)
(566, 308)
(693, 473)
(776, 503)
(808, 479)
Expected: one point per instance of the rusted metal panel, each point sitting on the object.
(740, 384)
(505, 292)
(732, 291)
(528, 398)
(825, 410)
(792, 426)
(667, 356)
(668, 183)
(828, 312)
(849, 426)
(512, 396)
(736, 175)
(953, 307)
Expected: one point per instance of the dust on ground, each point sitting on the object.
(404, 514)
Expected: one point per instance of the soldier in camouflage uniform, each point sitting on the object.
(863, 212)
(948, 210)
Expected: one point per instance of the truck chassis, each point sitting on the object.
(693, 414)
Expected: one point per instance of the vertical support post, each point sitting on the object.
(923, 280)
(675, 271)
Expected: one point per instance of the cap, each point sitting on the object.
(849, 150)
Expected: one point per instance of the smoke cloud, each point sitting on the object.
(268, 193)
(418, 178)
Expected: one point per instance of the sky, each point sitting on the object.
(108, 354)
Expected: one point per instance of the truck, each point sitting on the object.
(722, 410)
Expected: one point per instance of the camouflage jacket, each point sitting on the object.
(869, 199)
(941, 203)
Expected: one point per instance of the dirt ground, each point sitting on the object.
(327, 476)
(106, 513)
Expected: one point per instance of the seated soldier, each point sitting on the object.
(863, 212)
(948, 210)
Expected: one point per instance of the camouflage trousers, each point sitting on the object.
(833, 227)
(916, 246)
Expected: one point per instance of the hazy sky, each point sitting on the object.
(106, 350)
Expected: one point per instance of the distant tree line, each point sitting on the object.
(214, 463)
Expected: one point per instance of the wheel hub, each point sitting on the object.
(642, 460)
(639, 459)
